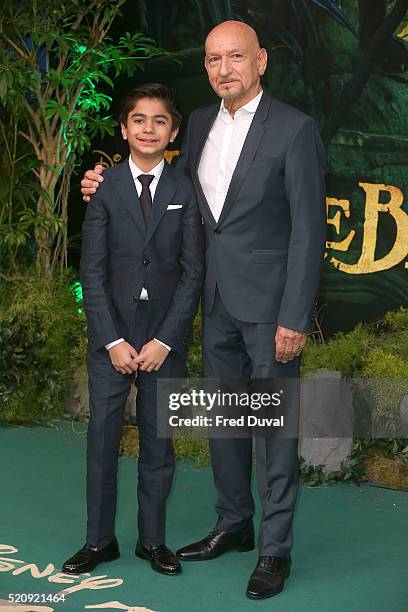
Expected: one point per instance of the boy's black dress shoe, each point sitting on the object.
(89, 556)
(268, 577)
(218, 542)
(161, 558)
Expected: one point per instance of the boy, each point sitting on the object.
(141, 273)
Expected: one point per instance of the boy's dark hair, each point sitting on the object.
(150, 90)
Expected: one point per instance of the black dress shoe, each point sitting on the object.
(89, 556)
(217, 543)
(161, 558)
(268, 578)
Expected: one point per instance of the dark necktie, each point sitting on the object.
(145, 195)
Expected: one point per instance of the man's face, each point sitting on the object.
(234, 63)
(148, 128)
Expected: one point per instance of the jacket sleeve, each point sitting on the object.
(305, 190)
(94, 272)
(176, 326)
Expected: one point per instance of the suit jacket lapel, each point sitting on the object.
(206, 122)
(125, 185)
(251, 143)
(164, 193)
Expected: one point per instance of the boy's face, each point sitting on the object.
(148, 128)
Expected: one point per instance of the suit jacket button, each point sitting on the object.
(135, 299)
(217, 231)
(146, 262)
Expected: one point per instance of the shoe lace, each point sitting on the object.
(267, 561)
(158, 551)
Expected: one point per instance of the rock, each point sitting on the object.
(403, 418)
(363, 408)
(130, 408)
(326, 421)
(77, 401)
(328, 452)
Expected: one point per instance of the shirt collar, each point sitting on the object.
(249, 107)
(136, 171)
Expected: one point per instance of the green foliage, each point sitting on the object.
(370, 350)
(390, 447)
(289, 23)
(42, 342)
(397, 321)
(186, 447)
(378, 353)
(379, 364)
(344, 353)
(15, 357)
(69, 89)
(19, 190)
(352, 469)
(194, 357)
(387, 376)
(56, 63)
(355, 467)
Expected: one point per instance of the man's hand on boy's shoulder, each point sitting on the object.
(90, 182)
(151, 356)
(123, 357)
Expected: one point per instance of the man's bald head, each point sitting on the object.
(234, 62)
(236, 29)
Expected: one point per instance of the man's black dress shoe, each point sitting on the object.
(268, 577)
(217, 543)
(161, 558)
(89, 556)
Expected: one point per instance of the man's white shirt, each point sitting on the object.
(222, 150)
(136, 171)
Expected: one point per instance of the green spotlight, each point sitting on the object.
(76, 289)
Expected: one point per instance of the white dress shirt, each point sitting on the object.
(156, 171)
(222, 150)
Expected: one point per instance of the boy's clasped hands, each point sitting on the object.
(125, 359)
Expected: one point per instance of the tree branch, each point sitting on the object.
(353, 89)
(33, 141)
(35, 118)
(16, 48)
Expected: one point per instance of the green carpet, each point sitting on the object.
(350, 551)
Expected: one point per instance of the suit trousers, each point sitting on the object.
(236, 349)
(108, 392)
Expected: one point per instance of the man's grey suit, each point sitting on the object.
(263, 260)
(120, 255)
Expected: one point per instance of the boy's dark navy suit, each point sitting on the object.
(120, 256)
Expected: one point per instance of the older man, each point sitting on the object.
(258, 169)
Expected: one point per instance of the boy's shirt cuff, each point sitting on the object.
(115, 342)
(163, 344)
